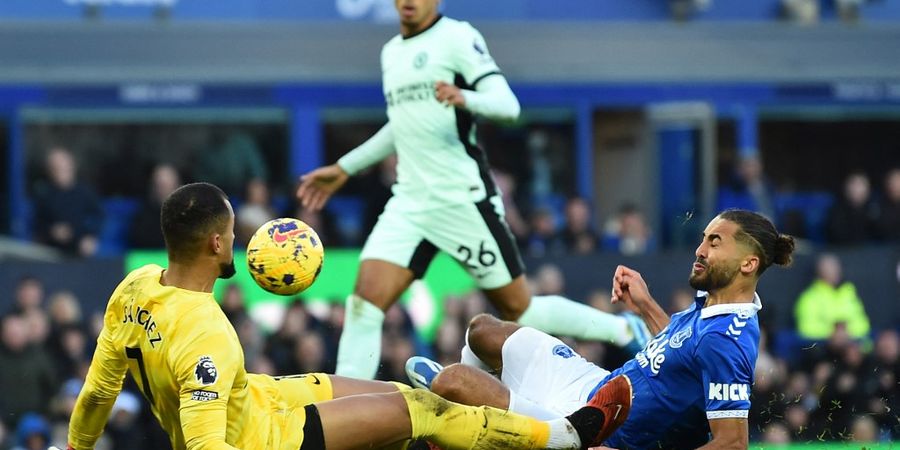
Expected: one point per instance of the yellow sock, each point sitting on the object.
(453, 426)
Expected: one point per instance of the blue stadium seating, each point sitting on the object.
(348, 212)
(117, 215)
(813, 206)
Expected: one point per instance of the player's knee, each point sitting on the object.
(451, 382)
(481, 325)
(485, 333)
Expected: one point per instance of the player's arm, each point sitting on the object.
(492, 98)
(318, 186)
(375, 149)
(727, 374)
(205, 373)
(728, 434)
(630, 288)
(101, 387)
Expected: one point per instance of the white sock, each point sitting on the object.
(359, 350)
(526, 407)
(563, 435)
(560, 316)
(469, 358)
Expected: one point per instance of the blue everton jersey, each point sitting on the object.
(700, 367)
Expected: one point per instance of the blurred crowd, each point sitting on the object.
(861, 212)
(68, 215)
(835, 381)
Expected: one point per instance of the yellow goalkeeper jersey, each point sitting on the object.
(186, 359)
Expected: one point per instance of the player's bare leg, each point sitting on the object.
(470, 386)
(344, 387)
(363, 421)
(378, 286)
(512, 299)
(381, 282)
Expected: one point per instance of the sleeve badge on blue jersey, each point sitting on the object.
(205, 371)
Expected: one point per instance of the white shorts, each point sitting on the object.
(475, 234)
(546, 371)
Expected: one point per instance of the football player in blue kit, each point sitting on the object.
(692, 378)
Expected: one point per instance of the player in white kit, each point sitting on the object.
(437, 74)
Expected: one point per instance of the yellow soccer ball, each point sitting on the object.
(285, 256)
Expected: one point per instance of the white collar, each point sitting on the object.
(743, 310)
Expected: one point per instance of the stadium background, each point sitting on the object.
(651, 114)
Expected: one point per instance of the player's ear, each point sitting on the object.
(749, 264)
(216, 243)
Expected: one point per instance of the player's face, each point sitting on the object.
(226, 264)
(718, 257)
(415, 13)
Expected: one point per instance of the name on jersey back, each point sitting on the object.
(141, 317)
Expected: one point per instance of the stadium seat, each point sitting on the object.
(117, 215)
(348, 212)
(813, 207)
(25, 233)
(728, 198)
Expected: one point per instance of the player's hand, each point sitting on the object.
(449, 94)
(630, 288)
(318, 186)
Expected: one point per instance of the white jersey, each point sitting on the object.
(438, 160)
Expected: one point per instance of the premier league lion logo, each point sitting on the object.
(206, 371)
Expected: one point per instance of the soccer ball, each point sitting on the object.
(285, 256)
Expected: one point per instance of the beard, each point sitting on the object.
(715, 277)
(227, 270)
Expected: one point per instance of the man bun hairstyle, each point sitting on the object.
(784, 250)
(189, 215)
(759, 232)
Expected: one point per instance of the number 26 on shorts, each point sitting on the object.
(483, 258)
